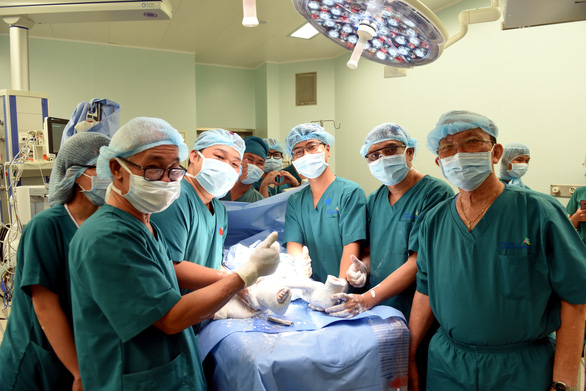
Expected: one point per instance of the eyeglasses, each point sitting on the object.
(276, 155)
(389, 150)
(156, 174)
(472, 144)
(311, 148)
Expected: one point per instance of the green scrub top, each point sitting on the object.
(251, 195)
(391, 229)
(501, 283)
(574, 205)
(122, 282)
(28, 360)
(339, 219)
(194, 233)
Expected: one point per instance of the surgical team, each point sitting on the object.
(113, 280)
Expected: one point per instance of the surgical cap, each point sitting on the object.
(306, 132)
(274, 144)
(511, 151)
(458, 121)
(137, 135)
(256, 146)
(80, 149)
(220, 137)
(386, 132)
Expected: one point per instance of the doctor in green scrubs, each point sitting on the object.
(195, 225)
(328, 216)
(501, 268)
(253, 164)
(275, 178)
(38, 350)
(132, 325)
(514, 164)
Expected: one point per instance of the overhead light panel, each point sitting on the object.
(307, 31)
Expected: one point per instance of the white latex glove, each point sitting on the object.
(263, 261)
(303, 263)
(351, 305)
(356, 273)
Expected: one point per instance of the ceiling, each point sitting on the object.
(213, 31)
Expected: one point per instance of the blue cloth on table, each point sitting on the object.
(318, 352)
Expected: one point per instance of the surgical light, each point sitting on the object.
(398, 33)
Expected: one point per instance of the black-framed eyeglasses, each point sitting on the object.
(276, 155)
(156, 174)
(471, 144)
(389, 150)
(310, 147)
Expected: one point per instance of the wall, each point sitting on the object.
(531, 82)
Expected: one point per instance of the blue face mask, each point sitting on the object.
(312, 165)
(97, 194)
(467, 171)
(390, 170)
(254, 174)
(518, 170)
(272, 164)
(215, 176)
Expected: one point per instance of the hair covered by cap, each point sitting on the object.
(79, 149)
(220, 137)
(510, 152)
(274, 144)
(457, 121)
(304, 132)
(386, 132)
(256, 146)
(137, 135)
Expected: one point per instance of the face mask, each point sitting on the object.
(215, 176)
(254, 174)
(97, 194)
(311, 165)
(390, 170)
(518, 170)
(467, 171)
(272, 164)
(149, 196)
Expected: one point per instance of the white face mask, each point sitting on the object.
(467, 170)
(390, 170)
(272, 164)
(518, 170)
(311, 165)
(96, 195)
(254, 174)
(149, 196)
(215, 176)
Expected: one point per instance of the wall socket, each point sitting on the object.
(563, 190)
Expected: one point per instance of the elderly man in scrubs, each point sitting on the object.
(253, 164)
(275, 179)
(514, 164)
(328, 217)
(196, 224)
(132, 326)
(394, 214)
(501, 268)
(38, 350)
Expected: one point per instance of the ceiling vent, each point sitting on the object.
(528, 13)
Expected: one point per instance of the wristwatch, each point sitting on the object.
(560, 386)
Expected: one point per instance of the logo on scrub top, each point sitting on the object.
(330, 210)
(514, 246)
(410, 216)
(221, 231)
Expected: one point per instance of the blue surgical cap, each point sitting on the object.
(81, 149)
(256, 146)
(274, 144)
(306, 132)
(220, 137)
(386, 132)
(458, 121)
(511, 151)
(137, 135)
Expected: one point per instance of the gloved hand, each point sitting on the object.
(350, 306)
(303, 263)
(263, 261)
(356, 273)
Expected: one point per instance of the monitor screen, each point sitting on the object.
(55, 127)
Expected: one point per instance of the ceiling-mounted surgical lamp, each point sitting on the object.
(249, 18)
(395, 33)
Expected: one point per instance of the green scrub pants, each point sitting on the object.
(456, 366)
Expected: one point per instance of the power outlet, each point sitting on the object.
(563, 190)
